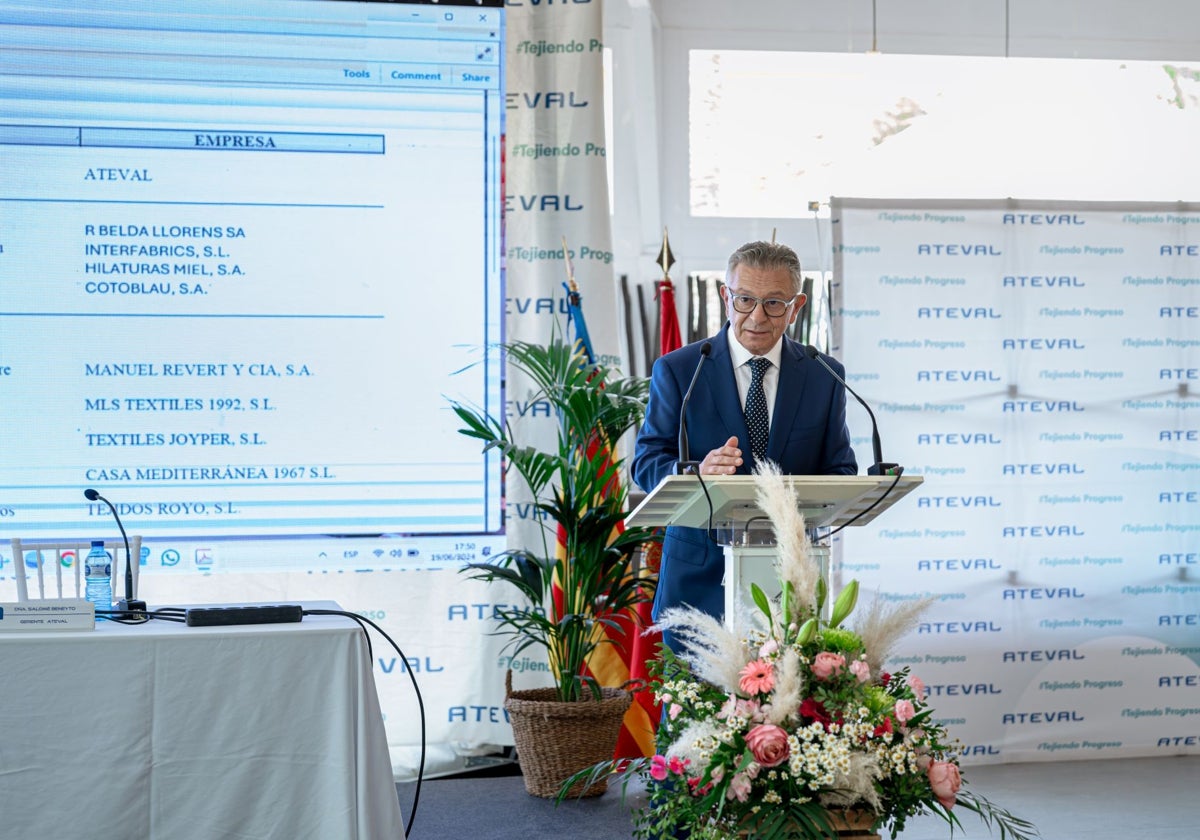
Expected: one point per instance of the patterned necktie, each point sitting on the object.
(757, 419)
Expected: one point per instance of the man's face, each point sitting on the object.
(756, 330)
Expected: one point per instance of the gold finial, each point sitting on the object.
(665, 258)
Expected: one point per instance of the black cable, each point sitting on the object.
(708, 499)
(850, 521)
(136, 616)
(867, 509)
(420, 701)
(746, 527)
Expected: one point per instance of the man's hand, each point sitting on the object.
(722, 461)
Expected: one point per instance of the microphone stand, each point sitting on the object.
(128, 603)
(685, 466)
(879, 467)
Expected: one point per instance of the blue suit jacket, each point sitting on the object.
(808, 437)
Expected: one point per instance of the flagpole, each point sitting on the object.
(583, 341)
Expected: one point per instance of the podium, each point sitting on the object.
(737, 522)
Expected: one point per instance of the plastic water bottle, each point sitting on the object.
(98, 570)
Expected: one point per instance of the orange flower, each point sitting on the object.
(758, 677)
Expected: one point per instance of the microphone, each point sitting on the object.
(685, 466)
(879, 467)
(128, 603)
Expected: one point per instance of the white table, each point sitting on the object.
(169, 731)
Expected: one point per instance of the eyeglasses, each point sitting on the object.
(745, 304)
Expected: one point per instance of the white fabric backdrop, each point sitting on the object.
(1039, 364)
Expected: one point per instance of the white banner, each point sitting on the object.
(556, 195)
(1039, 364)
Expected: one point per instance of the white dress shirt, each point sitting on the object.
(740, 357)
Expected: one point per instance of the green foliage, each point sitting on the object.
(580, 493)
(760, 599)
(841, 640)
(844, 605)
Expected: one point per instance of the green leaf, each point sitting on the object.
(760, 599)
(785, 602)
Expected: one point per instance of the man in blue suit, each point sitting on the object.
(806, 409)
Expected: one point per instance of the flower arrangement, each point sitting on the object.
(778, 728)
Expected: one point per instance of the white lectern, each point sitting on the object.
(826, 501)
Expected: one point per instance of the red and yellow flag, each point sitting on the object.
(645, 709)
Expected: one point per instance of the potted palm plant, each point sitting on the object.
(581, 581)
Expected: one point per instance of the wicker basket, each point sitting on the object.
(555, 740)
(852, 822)
(847, 822)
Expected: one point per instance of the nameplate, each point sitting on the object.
(47, 614)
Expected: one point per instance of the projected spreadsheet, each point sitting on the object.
(238, 283)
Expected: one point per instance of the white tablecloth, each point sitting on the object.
(173, 732)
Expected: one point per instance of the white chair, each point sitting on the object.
(69, 554)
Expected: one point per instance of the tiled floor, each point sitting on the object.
(1130, 799)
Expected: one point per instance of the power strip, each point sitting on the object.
(224, 616)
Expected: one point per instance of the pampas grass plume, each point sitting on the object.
(881, 626)
(778, 501)
(715, 653)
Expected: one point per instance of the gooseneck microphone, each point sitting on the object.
(128, 603)
(879, 467)
(685, 466)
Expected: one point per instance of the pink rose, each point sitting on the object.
(739, 787)
(673, 710)
(945, 781)
(826, 664)
(917, 686)
(904, 710)
(658, 768)
(861, 670)
(758, 677)
(768, 743)
(769, 647)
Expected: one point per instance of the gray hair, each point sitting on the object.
(767, 256)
